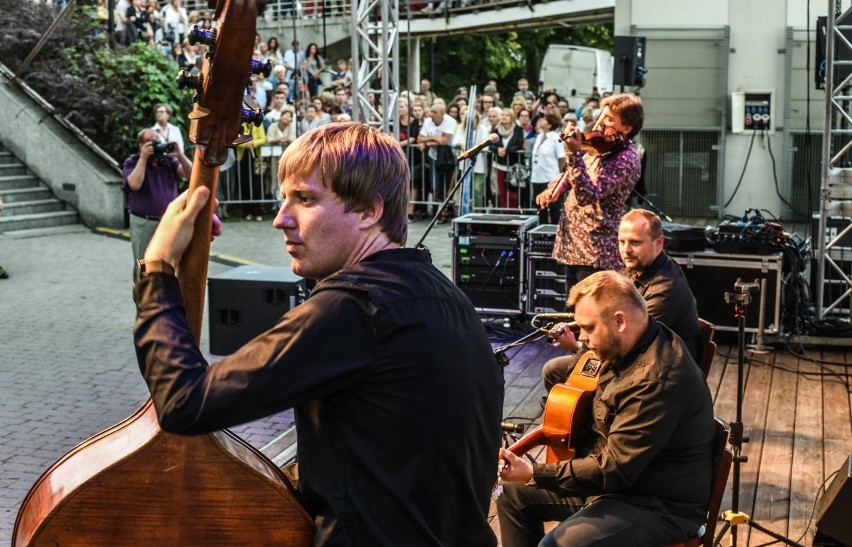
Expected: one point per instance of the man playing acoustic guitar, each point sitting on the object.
(642, 475)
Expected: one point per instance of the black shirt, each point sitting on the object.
(653, 432)
(397, 394)
(670, 300)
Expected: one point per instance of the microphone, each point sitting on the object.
(512, 427)
(555, 316)
(492, 138)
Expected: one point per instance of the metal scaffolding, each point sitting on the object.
(836, 180)
(375, 63)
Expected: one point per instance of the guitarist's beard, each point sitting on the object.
(607, 346)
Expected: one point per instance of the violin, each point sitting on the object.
(594, 141)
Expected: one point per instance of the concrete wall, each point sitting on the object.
(77, 175)
(756, 61)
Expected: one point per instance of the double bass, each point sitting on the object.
(134, 483)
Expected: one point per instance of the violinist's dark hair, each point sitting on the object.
(629, 107)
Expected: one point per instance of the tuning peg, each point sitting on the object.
(198, 112)
(206, 37)
(250, 102)
(260, 67)
(252, 116)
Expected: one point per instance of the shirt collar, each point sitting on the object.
(639, 347)
(645, 277)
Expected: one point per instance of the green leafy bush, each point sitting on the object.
(108, 93)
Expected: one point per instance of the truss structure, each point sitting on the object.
(836, 180)
(375, 63)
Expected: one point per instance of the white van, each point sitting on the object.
(574, 70)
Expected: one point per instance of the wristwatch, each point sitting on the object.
(147, 267)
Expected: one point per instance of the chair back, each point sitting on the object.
(722, 458)
(708, 346)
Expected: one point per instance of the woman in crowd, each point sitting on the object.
(272, 52)
(251, 171)
(506, 155)
(548, 160)
(315, 66)
(409, 128)
(480, 133)
(453, 111)
(188, 59)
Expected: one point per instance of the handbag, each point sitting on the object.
(446, 160)
(518, 175)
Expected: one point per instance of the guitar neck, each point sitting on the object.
(193, 265)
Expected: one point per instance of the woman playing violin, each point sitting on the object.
(603, 167)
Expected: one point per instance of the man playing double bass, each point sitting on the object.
(642, 475)
(397, 395)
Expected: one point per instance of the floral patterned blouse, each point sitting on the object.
(598, 188)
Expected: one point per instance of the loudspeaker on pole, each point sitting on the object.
(629, 62)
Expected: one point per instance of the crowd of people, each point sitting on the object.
(526, 156)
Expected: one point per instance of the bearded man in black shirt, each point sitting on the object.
(642, 475)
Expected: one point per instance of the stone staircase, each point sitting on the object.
(29, 203)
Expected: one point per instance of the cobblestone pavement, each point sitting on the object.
(67, 366)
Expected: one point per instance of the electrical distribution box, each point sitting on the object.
(753, 111)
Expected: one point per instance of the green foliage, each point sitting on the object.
(108, 93)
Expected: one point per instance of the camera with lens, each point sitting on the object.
(161, 148)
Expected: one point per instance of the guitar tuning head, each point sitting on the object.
(252, 116)
(260, 67)
(201, 36)
(185, 80)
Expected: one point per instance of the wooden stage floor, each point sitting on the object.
(796, 414)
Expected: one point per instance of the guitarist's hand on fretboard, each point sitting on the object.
(562, 335)
(515, 468)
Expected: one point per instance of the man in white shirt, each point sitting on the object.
(437, 131)
(293, 58)
(166, 131)
(276, 106)
(311, 119)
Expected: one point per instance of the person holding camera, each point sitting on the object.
(151, 180)
(167, 131)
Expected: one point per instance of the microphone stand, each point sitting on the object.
(450, 195)
(651, 206)
(733, 518)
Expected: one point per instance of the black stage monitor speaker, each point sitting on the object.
(629, 61)
(247, 300)
(835, 506)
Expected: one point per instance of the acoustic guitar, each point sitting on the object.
(134, 484)
(567, 414)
